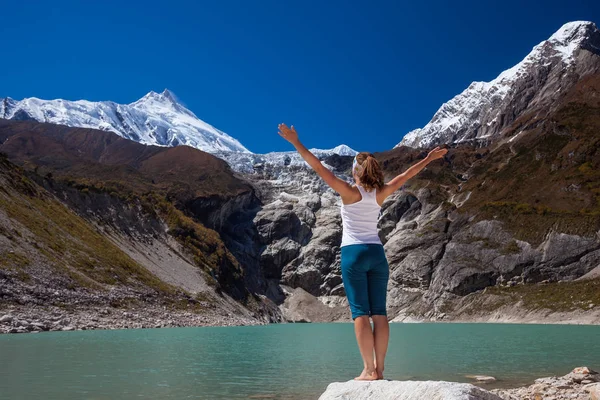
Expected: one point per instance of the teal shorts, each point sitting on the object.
(365, 273)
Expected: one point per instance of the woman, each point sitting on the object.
(365, 270)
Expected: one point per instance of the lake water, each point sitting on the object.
(289, 361)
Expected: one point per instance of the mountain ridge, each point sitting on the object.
(484, 109)
(156, 119)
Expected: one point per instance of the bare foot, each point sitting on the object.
(367, 375)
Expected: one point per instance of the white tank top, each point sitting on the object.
(359, 220)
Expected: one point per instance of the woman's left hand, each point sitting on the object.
(288, 134)
(436, 153)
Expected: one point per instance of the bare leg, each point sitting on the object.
(381, 334)
(364, 337)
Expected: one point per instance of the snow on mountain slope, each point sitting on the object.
(156, 119)
(250, 162)
(342, 150)
(485, 108)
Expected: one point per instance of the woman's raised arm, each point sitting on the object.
(337, 184)
(401, 179)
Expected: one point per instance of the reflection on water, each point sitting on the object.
(294, 361)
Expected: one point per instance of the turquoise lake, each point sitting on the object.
(288, 361)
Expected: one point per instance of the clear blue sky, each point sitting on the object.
(362, 72)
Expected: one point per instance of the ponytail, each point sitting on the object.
(368, 171)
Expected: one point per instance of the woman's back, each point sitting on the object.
(359, 220)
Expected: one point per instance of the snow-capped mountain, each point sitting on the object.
(341, 150)
(156, 119)
(484, 109)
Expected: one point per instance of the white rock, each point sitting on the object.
(6, 318)
(583, 371)
(482, 378)
(405, 390)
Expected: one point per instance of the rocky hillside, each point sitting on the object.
(229, 228)
(112, 266)
(83, 235)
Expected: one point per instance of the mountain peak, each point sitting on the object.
(341, 150)
(574, 31)
(344, 150)
(572, 36)
(166, 97)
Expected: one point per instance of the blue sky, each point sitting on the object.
(355, 72)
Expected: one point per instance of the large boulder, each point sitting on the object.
(484, 254)
(279, 220)
(565, 257)
(407, 390)
(412, 257)
(303, 275)
(301, 306)
(276, 255)
(478, 256)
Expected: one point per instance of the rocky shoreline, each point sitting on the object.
(19, 319)
(580, 384)
(32, 319)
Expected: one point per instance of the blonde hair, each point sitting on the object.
(368, 171)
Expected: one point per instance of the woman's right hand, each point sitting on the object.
(288, 134)
(436, 153)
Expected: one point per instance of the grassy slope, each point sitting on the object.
(65, 241)
(563, 296)
(553, 177)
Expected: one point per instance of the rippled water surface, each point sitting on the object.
(292, 361)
